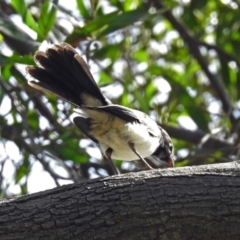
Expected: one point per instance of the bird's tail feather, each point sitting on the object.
(63, 72)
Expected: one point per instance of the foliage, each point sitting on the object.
(175, 60)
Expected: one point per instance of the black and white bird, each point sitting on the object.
(122, 133)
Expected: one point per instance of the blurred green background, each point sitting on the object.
(177, 61)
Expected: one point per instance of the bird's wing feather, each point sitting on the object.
(121, 112)
(83, 124)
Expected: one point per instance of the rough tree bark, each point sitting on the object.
(183, 203)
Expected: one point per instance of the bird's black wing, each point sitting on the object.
(84, 125)
(121, 112)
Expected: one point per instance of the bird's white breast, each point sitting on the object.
(118, 139)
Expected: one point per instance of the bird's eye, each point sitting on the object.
(171, 147)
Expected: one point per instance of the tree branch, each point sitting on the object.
(181, 203)
(221, 52)
(196, 137)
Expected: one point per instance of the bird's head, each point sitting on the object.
(164, 154)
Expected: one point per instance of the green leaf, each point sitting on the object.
(21, 7)
(47, 18)
(83, 10)
(150, 91)
(6, 72)
(144, 105)
(123, 20)
(141, 55)
(154, 69)
(104, 79)
(125, 99)
(107, 24)
(130, 4)
(95, 25)
(33, 119)
(109, 51)
(15, 58)
(100, 22)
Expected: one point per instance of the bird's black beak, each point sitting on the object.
(156, 162)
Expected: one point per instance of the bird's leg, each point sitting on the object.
(131, 145)
(108, 155)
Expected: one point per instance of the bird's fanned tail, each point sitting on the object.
(62, 72)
